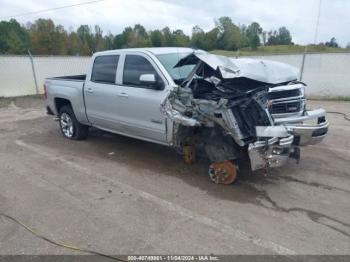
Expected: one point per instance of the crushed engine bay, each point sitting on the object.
(222, 104)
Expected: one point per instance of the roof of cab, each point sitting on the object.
(154, 50)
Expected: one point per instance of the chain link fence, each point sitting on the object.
(327, 75)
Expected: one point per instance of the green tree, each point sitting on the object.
(272, 38)
(332, 43)
(167, 37)
(156, 37)
(244, 38)
(108, 41)
(253, 33)
(230, 36)
(74, 44)
(280, 37)
(46, 38)
(98, 40)
(86, 38)
(180, 39)
(14, 39)
(138, 37)
(198, 38)
(61, 37)
(118, 41)
(121, 40)
(211, 39)
(284, 36)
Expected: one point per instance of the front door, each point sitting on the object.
(139, 103)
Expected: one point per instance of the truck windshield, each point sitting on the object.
(170, 60)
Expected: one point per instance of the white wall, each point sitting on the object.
(327, 75)
(16, 76)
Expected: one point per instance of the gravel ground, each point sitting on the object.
(118, 195)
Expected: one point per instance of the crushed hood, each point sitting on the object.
(266, 71)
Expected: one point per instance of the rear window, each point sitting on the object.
(104, 69)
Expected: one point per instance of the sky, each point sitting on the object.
(299, 16)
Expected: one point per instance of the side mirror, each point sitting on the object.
(150, 81)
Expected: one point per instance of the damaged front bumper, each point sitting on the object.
(273, 152)
(308, 129)
(288, 133)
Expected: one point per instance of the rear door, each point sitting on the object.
(139, 103)
(101, 93)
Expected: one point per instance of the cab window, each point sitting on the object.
(104, 69)
(134, 67)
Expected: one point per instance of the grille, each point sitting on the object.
(288, 107)
(284, 94)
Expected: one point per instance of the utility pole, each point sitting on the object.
(317, 21)
(34, 73)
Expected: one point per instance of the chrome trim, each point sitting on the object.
(306, 133)
(285, 99)
(288, 88)
(306, 116)
(300, 112)
(289, 101)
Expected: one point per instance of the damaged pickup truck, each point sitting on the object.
(233, 110)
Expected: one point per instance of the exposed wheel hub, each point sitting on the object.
(222, 172)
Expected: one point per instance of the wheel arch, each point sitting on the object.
(60, 102)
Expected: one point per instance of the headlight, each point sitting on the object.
(302, 90)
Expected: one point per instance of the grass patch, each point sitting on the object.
(331, 98)
(281, 50)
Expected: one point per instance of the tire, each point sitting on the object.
(69, 125)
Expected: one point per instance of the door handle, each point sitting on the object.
(89, 90)
(123, 95)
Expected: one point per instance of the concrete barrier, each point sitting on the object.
(326, 74)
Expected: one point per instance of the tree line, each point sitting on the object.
(43, 37)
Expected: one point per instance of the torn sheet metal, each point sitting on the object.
(270, 72)
(176, 116)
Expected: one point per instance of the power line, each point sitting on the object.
(317, 21)
(51, 9)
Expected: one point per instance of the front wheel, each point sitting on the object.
(223, 172)
(69, 125)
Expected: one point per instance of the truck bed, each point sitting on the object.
(69, 88)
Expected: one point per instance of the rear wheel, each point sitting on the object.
(223, 172)
(69, 125)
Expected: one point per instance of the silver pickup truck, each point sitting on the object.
(232, 110)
